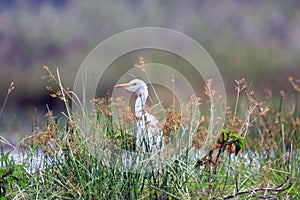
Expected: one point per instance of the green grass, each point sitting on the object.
(253, 158)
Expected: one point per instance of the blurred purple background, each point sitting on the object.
(258, 40)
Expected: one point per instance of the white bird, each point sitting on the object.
(148, 135)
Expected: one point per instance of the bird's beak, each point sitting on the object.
(124, 85)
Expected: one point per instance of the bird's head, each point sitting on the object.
(135, 85)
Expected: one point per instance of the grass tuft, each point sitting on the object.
(255, 155)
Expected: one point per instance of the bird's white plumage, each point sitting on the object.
(149, 137)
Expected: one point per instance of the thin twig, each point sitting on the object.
(278, 188)
(9, 91)
(236, 183)
(263, 117)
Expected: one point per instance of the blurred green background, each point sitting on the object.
(258, 40)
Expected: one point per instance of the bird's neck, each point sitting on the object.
(140, 102)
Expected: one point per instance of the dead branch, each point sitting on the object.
(279, 188)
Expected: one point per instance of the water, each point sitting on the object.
(33, 161)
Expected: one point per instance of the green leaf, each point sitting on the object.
(234, 136)
(5, 157)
